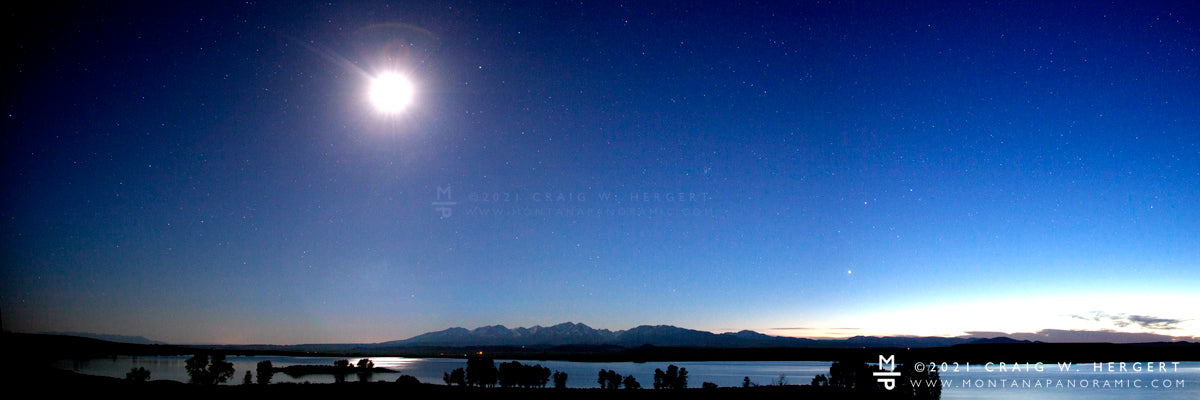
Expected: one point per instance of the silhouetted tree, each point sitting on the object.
(560, 380)
(265, 372)
(139, 375)
(408, 380)
(782, 381)
(859, 377)
(609, 379)
(532, 375)
(203, 372)
(365, 366)
(631, 383)
(481, 372)
(674, 378)
(844, 374)
(541, 376)
(508, 374)
(924, 385)
(456, 377)
(197, 369)
(342, 367)
(746, 382)
(248, 379)
(514, 373)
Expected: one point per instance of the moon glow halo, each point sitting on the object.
(391, 93)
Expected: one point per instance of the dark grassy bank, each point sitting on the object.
(54, 383)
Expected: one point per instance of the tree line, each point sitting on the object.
(215, 370)
(482, 372)
(673, 378)
(849, 375)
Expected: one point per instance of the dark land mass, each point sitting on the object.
(57, 347)
(27, 357)
(54, 383)
(110, 338)
(60, 347)
(302, 370)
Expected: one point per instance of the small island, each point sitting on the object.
(340, 368)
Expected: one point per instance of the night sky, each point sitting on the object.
(216, 173)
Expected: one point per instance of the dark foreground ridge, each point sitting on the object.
(849, 377)
(55, 383)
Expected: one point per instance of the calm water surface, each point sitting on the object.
(1079, 381)
(430, 370)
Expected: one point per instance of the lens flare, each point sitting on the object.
(391, 93)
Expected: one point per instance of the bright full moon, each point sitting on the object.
(391, 93)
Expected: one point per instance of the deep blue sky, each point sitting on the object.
(215, 173)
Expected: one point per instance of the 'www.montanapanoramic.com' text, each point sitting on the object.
(1022, 383)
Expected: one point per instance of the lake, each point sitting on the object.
(975, 381)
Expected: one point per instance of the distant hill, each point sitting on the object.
(498, 335)
(108, 338)
(675, 344)
(578, 334)
(35, 346)
(658, 335)
(1000, 340)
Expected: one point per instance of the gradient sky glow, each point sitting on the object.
(215, 173)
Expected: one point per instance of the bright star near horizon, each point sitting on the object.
(391, 93)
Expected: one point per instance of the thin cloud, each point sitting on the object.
(1123, 320)
(1082, 336)
(1096, 316)
(1155, 323)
